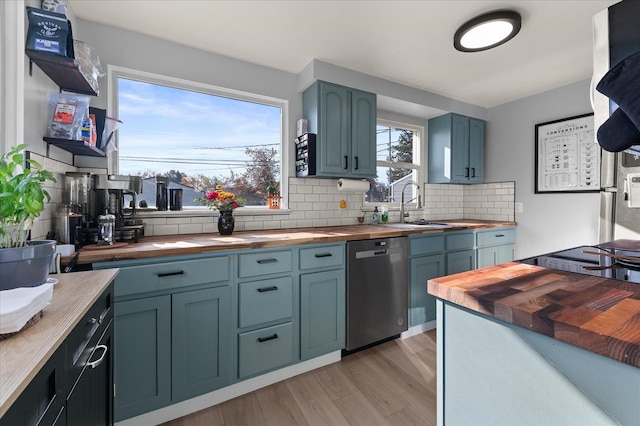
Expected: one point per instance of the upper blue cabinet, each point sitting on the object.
(344, 120)
(456, 149)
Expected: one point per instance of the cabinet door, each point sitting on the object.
(322, 313)
(142, 356)
(476, 150)
(461, 261)
(201, 341)
(459, 149)
(363, 134)
(333, 130)
(422, 306)
(91, 399)
(489, 256)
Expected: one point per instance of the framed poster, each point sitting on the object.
(567, 156)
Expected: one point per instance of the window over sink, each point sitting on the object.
(398, 162)
(198, 136)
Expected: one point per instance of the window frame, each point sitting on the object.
(116, 72)
(418, 165)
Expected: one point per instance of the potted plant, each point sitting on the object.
(273, 197)
(22, 263)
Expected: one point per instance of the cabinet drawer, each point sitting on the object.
(265, 349)
(460, 241)
(171, 275)
(258, 264)
(427, 245)
(265, 300)
(321, 257)
(496, 237)
(92, 324)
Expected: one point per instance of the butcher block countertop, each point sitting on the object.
(173, 245)
(26, 352)
(597, 314)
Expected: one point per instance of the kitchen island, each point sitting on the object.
(522, 344)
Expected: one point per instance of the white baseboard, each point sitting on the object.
(201, 402)
(417, 329)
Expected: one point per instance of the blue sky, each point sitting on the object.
(197, 133)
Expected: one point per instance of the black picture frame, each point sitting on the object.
(567, 157)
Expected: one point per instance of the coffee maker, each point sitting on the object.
(115, 195)
(73, 215)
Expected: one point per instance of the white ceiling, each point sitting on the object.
(408, 42)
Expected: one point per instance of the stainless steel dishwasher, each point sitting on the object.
(377, 290)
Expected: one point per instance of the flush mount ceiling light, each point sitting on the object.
(487, 31)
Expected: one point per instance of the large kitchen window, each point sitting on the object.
(398, 163)
(198, 136)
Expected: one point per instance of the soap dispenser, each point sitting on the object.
(374, 216)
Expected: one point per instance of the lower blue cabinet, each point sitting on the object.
(170, 348)
(143, 363)
(322, 313)
(265, 349)
(461, 261)
(200, 337)
(422, 306)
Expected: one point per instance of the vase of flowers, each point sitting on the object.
(225, 202)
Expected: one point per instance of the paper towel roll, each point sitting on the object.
(353, 185)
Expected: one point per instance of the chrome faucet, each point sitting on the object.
(402, 212)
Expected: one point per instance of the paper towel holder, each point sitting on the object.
(354, 185)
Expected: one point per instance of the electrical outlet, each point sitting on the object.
(518, 207)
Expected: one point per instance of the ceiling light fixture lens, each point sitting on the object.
(487, 31)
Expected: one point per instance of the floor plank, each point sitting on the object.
(279, 407)
(315, 404)
(390, 384)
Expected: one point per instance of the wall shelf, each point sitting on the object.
(75, 147)
(62, 70)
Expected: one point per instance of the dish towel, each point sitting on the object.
(18, 305)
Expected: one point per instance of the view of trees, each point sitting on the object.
(262, 170)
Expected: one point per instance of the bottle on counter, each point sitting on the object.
(374, 217)
(385, 214)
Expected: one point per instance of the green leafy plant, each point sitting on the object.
(22, 196)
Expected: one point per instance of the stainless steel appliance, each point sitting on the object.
(616, 36)
(377, 290)
(609, 260)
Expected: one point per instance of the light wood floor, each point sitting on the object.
(390, 384)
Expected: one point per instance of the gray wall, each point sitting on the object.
(549, 221)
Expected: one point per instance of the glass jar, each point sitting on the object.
(106, 228)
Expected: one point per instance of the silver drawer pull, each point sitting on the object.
(169, 274)
(97, 362)
(263, 261)
(266, 339)
(324, 255)
(263, 289)
(92, 320)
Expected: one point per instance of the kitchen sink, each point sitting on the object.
(422, 224)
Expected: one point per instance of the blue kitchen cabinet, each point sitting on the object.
(200, 337)
(456, 149)
(344, 120)
(173, 325)
(267, 311)
(427, 260)
(422, 306)
(461, 253)
(495, 246)
(142, 362)
(322, 299)
(322, 313)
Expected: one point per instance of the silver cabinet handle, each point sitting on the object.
(97, 362)
(92, 320)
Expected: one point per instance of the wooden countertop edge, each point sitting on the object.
(150, 247)
(25, 353)
(466, 290)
